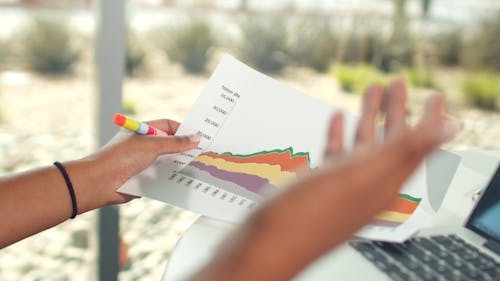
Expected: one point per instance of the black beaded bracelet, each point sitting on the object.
(70, 188)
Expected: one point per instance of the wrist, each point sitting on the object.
(91, 183)
(70, 188)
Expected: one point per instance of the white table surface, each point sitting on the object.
(201, 240)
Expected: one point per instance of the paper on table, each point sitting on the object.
(256, 133)
(459, 200)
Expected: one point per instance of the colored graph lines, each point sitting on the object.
(254, 172)
(398, 213)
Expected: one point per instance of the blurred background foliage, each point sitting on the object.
(482, 48)
(357, 78)
(482, 89)
(421, 77)
(189, 43)
(135, 55)
(313, 42)
(48, 47)
(264, 42)
(356, 50)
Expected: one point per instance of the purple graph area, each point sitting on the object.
(385, 223)
(249, 182)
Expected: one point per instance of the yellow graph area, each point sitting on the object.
(272, 173)
(393, 216)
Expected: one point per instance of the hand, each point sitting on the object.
(323, 210)
(376, 100)
(125, 156)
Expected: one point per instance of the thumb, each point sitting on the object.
(165, 145)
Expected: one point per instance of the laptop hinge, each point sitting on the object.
(493, 245)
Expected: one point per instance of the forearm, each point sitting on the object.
(282, 238)
(306, 225)
(323, 211)
(302, 224)
(326, 209)
(36, 200)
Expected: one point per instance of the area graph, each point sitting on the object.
(259, 173)
(398, 213)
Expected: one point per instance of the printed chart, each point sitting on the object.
(257, 135)
(255, 138)
(405, 216)
(398, 213)
(258, 173)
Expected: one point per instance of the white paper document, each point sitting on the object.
(256, 134)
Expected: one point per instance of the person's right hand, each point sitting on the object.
(125, 156)
(325, 209)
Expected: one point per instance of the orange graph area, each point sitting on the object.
(286, 159)
(400, 211)
(253, 171)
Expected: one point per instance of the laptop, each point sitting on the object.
(470, 252)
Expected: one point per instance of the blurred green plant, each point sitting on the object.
(135, 55)
(482, 50)
(189, 44)
(264, 43)
(389, 52)
(395, 56)
(366, 44)
(482, 90)
(129, 107)
(448, 46)
(313, 43)
(421, 77)
(47, 46)
(357, 78)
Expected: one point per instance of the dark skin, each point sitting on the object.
(43, 196)
(316, 213)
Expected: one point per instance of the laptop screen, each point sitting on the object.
(485, 219)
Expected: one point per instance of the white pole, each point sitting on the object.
(110, 58)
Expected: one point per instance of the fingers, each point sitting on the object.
(430, 132)
(174, 144)
(435, 116)
(372, 103)
(166, 125)
(395, 107)
(334, 145)
(394, 103)
(404, 152)
(452, 126)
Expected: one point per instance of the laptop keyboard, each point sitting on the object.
(430, 258)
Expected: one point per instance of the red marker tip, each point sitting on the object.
(119, 119)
